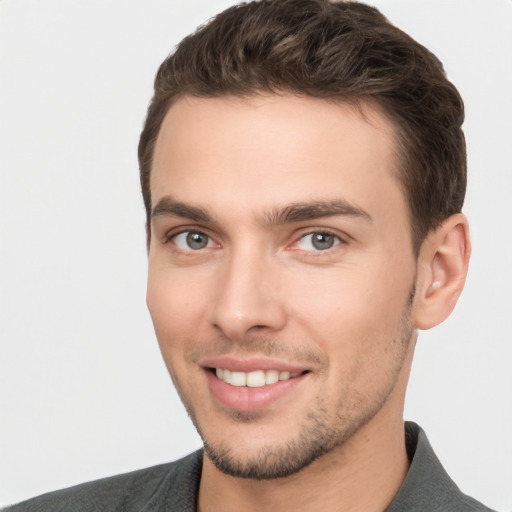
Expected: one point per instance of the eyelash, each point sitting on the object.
(338, 239)
(171, 237)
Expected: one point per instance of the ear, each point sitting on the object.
(442, 268)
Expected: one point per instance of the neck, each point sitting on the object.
(364, 474)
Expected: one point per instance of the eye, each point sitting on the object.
(192, 240)
(318, 241)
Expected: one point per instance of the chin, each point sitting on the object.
(280, 457)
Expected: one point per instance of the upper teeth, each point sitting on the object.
(254, 379)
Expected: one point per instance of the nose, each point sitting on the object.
(248, 297)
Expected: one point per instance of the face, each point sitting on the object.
(281, 274)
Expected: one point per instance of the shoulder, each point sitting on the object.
(158, 487)
(427, 485)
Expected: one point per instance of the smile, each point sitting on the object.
(253, 379)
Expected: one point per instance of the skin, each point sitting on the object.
(230, 170)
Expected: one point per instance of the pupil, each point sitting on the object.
(322, 241)
(197, 240)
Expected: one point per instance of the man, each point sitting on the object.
(303, 172)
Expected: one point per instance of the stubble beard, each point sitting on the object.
(318, 433)
(316, 438)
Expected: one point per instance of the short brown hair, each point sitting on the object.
(344, 51)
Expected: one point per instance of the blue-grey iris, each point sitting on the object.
(322, 241)
(197, 240)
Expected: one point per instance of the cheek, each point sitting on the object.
(175, 307)
(353, 311)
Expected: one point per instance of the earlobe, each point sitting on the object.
(442, 268)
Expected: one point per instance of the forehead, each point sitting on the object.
(271, 150)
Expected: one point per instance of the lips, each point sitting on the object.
(251, 384)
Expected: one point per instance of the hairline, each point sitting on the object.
(362, 102)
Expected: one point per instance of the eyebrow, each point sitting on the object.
(168, 206)
(295, 212)
(298, 212)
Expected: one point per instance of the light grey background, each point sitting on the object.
(83, 391)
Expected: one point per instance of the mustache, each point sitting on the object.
(254, 346)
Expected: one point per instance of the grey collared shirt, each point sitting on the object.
(173, 487)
